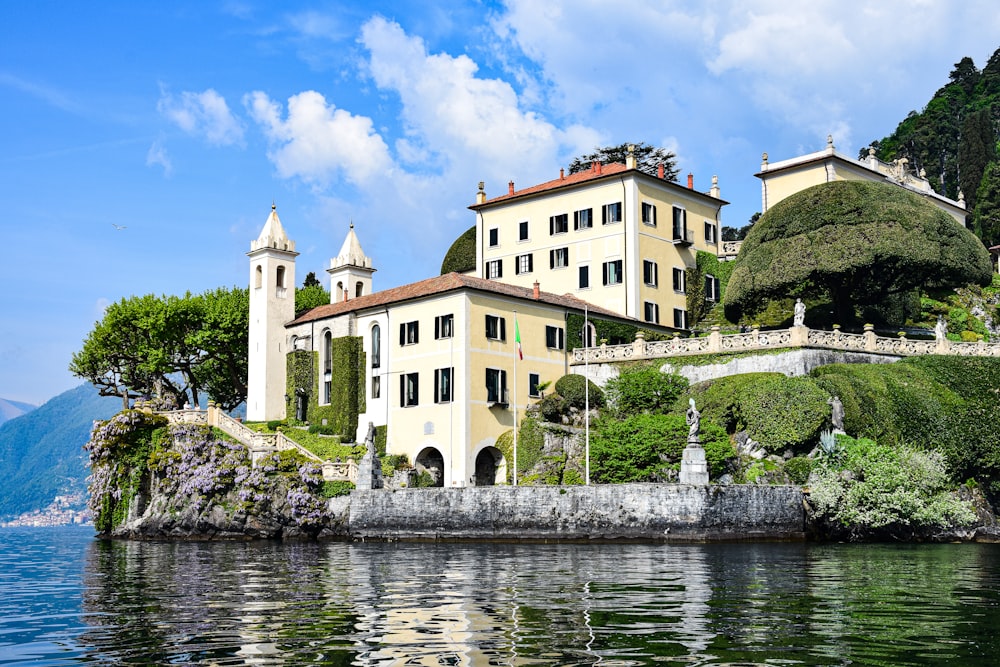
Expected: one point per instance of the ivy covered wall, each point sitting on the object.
(615, 333)
(347, 391)
(706, 264)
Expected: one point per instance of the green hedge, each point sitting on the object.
(573, 388)
(777, 411)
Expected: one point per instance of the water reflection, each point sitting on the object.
(503, 604)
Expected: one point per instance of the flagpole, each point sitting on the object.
(517, 340)
(586, 393)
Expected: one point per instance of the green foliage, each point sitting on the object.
(333, 489)
(855, 243)
(986, 214)
(614, 332)
(425, 480)
(274, 424)
(309, 297)
(883, 490)
(648, 158)
(347, 399)
(392, 463)
(798, 469)
(553, 407)
(574, 389)
(311, 280)
(322, 429)
(777, 411)
(461, 256)
(644, 447)
(644, 389)
(143, 344)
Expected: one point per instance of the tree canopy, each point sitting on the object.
(856, 243)
(648, 158)
(461, 256)
(170, 347)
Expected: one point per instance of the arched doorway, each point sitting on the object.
(430, 461)
(491, 467)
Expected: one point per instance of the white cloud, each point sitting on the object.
(450, 111)
(204, 114)
(317, 141)
(157, 155)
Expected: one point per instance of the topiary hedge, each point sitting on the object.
(573, 388)
(461, 256)
(777, 411)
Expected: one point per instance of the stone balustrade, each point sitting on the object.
(793, 337)
(260, 445)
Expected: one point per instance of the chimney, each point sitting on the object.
(534, 291)
(630, 161)
(510, 188)
(659, 170)
(593, 167)
(481, 195)
(562, 173)
(690, 181)
(345, 296)
(598, 168)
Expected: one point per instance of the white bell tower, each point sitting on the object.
(350, 271)
(272, 305)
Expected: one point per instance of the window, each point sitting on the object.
(583, 219)
(558, 258)
(588, 334)
(409, 393)
(327, 352)
(650, 275)
(554, 337)
(523, 264)
(376, 386)
(613, 272)
(496, 386)
(280, 279)
(711, 288)
(649, 214)
(376, 346)
(327, 390)
(494, 237)
(444, 326)
(442, 385)
(680, 224)
(711, 233)
(522, 231)
(584, 272)
(494, 268)
(611, 213)
(533, 382)
(680, 318)
(409, 333)
(679, 281)
(258, 276)
(559, 224)
(496, 327)
(651, 312)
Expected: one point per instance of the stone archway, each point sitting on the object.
(431, 461)
(491, 467)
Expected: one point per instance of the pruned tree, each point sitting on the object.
(856, 243)
(648, 158)
(986, 215)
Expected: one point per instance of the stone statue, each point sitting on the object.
(838, 413)
(800, 314)
(693, 421)
(370, 440)
(940, 329)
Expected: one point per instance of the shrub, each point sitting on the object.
(798, 469)
(777, 411)
(573, 388)
(642, 448)
(887, 492)
(322, 429)
(553, 407)
(644, 389)
(332, 489)
(273, 424)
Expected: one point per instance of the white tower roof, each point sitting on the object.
(273, 235)
(351, 253)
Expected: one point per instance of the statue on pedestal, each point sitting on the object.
(837, 416)
(941, 329)
(799, 320)
(693, 418)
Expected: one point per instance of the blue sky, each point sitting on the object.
(182, 121)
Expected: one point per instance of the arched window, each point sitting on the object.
(258, 281)
(281, 277)
(327, 367)
(359, 288)
(376, 347)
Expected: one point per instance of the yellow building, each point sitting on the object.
(614, 236)
(783, 179)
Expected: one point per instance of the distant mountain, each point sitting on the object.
(41, 452)
(12, 409)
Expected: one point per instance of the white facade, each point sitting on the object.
(272, 305)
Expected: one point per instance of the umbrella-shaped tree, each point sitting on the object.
(857, 243)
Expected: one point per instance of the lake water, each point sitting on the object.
(66, 599)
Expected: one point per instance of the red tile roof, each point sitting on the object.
(448, 282)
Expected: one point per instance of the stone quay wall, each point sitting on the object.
(658, 512)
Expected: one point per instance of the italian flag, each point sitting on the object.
(517, 340)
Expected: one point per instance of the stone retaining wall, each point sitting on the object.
(663, 512)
